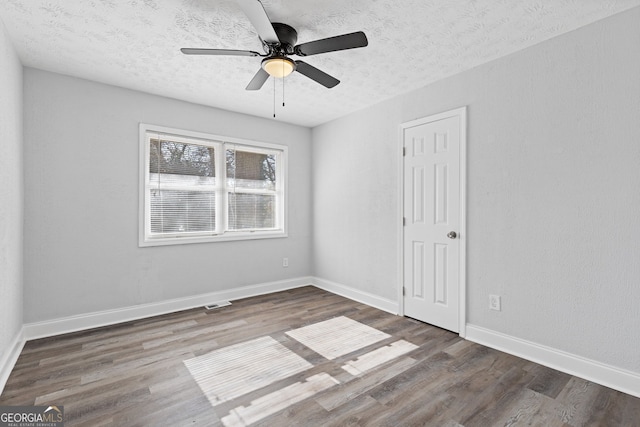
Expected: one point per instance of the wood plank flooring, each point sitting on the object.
(412, 374)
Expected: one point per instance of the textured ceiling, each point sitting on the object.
(135, 44)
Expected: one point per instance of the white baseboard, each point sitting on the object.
(10, 358)
(372, 300)
(98, 319)
(600, 373)
(110, 317)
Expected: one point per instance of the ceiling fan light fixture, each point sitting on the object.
(278, 66)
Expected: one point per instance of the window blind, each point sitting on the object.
(182, 187)
(251, 184)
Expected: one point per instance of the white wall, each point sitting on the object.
(355, 201)
(81, 202)
(553, 200)
(11, 197)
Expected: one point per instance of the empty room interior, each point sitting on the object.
(274, 213)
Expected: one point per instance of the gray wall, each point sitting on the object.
(81, 204)
(11, 195)
(552, 192)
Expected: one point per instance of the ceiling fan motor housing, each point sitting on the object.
(288, 37)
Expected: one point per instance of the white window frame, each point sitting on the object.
(220, 145)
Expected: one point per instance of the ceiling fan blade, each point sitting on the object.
(317, 75)
(259, 19)
(258, 80)
(228, 52)
(332, 44)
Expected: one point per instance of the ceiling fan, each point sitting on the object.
(279, 42)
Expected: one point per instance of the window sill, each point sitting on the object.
(227, 237)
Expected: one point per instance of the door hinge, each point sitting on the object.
(403, 291)
(404, 151)
(404, 221)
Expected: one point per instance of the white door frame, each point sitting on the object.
(462, 113)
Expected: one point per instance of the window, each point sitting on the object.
(202, 188)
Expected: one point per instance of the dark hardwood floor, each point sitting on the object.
(134, 374)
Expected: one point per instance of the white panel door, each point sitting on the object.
(432, 218)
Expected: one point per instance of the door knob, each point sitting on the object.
(452, 235)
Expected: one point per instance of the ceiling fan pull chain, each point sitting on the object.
(283, 79)
(274, 97)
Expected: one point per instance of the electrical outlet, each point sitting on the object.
(285, 262)
(494, 302)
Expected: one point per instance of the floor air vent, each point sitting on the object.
(217, 305)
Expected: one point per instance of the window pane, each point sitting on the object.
(169, 157)
(251, 170)
(182, 211)
(191, 167)
(251, 211)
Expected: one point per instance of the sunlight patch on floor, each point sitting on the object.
(336, 337)
(239, 369)
(278, 400)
